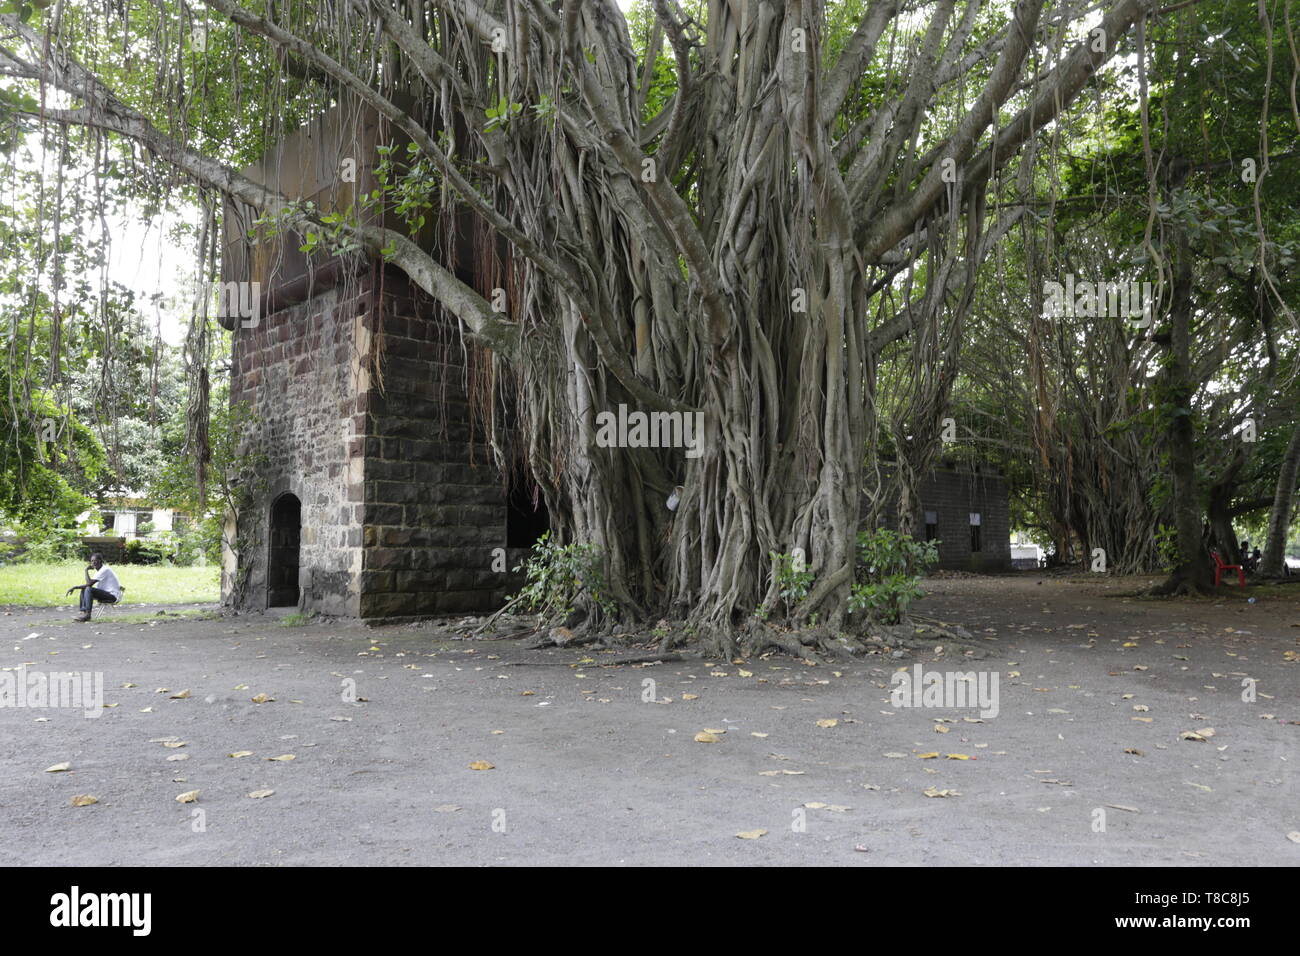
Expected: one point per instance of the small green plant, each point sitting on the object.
(890, 566)
(1167, 547)
(501, 114)
(546, 110)
(793, 580)
(295, 620)
(556, 575)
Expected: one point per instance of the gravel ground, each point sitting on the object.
(593, 765)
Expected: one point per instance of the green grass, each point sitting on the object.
(42, 585)
(295, 620)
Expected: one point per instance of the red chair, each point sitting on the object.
(1220, 567)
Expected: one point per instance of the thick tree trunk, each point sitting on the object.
(1272, 565)
(1218, 502)
(1194, 568)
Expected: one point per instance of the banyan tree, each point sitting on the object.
(728, 209)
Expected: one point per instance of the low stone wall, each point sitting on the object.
(113, 549)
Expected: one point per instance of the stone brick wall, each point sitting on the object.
(435, 503)
(952, 496)
(303, 371)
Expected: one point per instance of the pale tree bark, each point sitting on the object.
(1272, 564)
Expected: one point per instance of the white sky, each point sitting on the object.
(143, 259)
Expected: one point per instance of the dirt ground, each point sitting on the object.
(593, 765)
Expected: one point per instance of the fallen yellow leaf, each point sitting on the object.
(84, 800)
(481, 765)
(751, 834)
(189, 796)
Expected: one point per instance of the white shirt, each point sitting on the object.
(106, 580)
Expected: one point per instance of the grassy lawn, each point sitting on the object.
(42, 585)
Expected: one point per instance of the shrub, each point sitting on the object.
(46, 545)
(139, 551)
(890, 566)
(556, 575)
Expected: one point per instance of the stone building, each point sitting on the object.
(375, 493)
(964, 509)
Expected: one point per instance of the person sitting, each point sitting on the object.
(103, 587)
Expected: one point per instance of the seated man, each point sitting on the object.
(103, 587)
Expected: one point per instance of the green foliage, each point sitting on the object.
(47, 460)
(191, 544)
(793, 580)
(44, 544)
(143, 551)
(501, 114)
(557, 575)
(1167, 547)
(295, 620)
(890, 566)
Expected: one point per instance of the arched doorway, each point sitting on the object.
(282, 558)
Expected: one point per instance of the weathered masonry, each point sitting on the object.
(965, 510)
(375, 494)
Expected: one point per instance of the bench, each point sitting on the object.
(1220, 566)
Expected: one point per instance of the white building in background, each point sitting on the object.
(1025, 555)
(123, 518)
